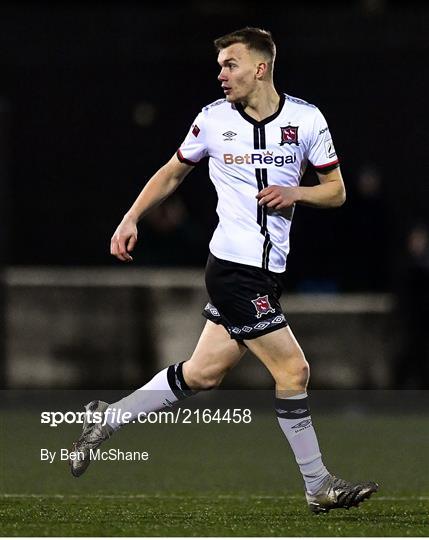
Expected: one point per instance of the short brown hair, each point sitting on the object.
(254, 38)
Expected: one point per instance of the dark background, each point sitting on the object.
(95, 97)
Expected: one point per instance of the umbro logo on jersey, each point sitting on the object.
(289, 135)
(195, 130)
(229, 135)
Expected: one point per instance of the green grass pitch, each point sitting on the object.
(213, 479)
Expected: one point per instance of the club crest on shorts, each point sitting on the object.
(262, 306)
(289, 135)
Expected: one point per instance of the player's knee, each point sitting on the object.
(300, 375)
(294, 375)
(199, 378)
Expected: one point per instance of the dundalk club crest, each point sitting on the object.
(262, 306)
(289, 135)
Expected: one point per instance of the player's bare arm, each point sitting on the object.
(162, 184)
(330, 193)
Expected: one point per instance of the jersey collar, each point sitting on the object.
(255, 122)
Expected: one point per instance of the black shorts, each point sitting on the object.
(244, 299)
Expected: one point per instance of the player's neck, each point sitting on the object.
(263, 103)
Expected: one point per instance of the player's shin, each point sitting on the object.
(163, 390)
(294, 418)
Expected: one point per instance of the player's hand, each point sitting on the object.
(277, 197)
(124, 240)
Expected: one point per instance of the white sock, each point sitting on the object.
(294, 418)
(166, 388)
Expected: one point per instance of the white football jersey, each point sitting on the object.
(244, 157)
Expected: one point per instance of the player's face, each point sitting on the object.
(239, 66)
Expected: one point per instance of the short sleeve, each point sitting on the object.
(321, 153)
(193, 149)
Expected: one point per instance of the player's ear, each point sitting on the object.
(261, 70)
